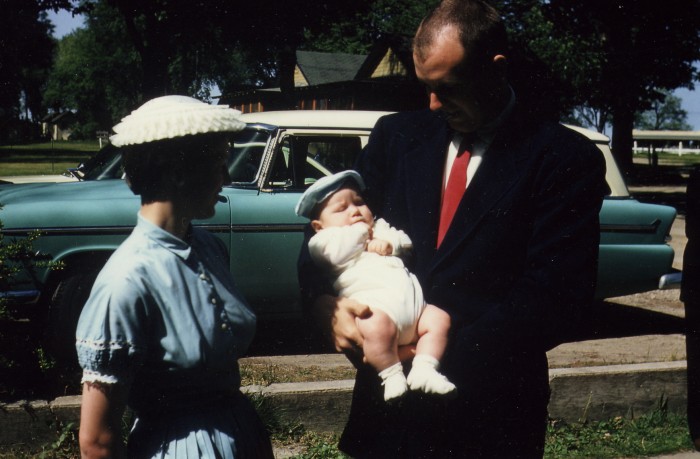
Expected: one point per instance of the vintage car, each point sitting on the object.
(271, 162)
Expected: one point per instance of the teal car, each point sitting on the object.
(271, 162)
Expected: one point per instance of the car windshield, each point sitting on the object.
(245, 157)
(106, 164)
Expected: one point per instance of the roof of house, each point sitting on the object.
(320, 68)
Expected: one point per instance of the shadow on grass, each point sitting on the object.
(613, 320)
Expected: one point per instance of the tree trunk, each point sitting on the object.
(623, 123)
(288, 61)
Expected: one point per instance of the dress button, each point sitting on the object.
(224, 327)
(213, 300)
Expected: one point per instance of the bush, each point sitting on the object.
(85, 131)
(26, 369)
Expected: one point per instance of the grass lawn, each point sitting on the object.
(44, 158)
(666, 157)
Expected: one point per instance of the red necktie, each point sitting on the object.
(456, 184)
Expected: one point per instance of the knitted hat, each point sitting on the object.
(169, 117)
(323, 188)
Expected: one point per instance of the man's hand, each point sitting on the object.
(337, 317)
(380, 246)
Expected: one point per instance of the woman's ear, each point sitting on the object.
(316, 225)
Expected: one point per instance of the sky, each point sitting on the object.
(690, 100)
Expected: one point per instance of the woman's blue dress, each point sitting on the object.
(165, 320)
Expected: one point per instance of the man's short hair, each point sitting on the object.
(480, 27)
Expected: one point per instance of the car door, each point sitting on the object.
(266, 233)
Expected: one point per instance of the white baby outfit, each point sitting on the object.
(382, 282)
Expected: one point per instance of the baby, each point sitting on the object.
(361, 256)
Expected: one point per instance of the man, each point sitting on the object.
(690, 294)
(515, 267)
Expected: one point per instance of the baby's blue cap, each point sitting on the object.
(323, 188)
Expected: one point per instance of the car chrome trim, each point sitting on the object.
(671, 281)
(24, 295)
(269, 228)
(622, 228)
(89, 230)
(125, 230)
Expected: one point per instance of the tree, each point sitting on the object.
(665, 114)
(25, 55)
(95, 73)
(613, 54)
(184, 45)
(357, 33)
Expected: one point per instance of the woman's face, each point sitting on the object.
(204, 182)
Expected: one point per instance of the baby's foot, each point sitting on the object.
(394, 382)
(425, 377)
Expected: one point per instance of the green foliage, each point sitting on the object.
(96, 73)
(25, 55)
(613, 57)
(664, 114)
(22, 358)
(659, 432)
(357, 33)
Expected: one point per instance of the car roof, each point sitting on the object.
(595, 136)
(358, 119)
(352, 119)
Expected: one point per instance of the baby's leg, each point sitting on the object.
(433, 327)
(380, 346)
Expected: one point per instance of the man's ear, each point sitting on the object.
(500, 64)
(316, 225)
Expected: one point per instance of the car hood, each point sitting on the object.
(50, 192)
(41, 205)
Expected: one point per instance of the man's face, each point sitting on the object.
(461, 92)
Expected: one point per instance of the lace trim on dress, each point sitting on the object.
(103, 345)
(90, 376)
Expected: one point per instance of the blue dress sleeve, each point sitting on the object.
(111, 338)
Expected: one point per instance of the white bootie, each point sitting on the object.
(394, 381)
(425, 377)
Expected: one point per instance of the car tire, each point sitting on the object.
(66, 304)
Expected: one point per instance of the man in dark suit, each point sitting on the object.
(515, 266)
(690, 294)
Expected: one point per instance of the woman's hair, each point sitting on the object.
(159, 171)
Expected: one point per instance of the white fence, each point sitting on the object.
(677, 150)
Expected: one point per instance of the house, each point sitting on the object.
(382, 80)
(58, 126)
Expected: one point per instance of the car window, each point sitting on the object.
(301, 160)
(245, 155)
(106, 164)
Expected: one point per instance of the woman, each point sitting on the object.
(164, 325)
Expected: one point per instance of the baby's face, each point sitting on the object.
(344, 207)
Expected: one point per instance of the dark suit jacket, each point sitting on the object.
(690, 294)
(518, 263)
(516, 271)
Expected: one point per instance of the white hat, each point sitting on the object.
(323, 188)
(168, 117)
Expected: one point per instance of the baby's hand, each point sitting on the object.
(380, 247)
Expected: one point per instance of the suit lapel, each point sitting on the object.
(496, 175)
(424, 170)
